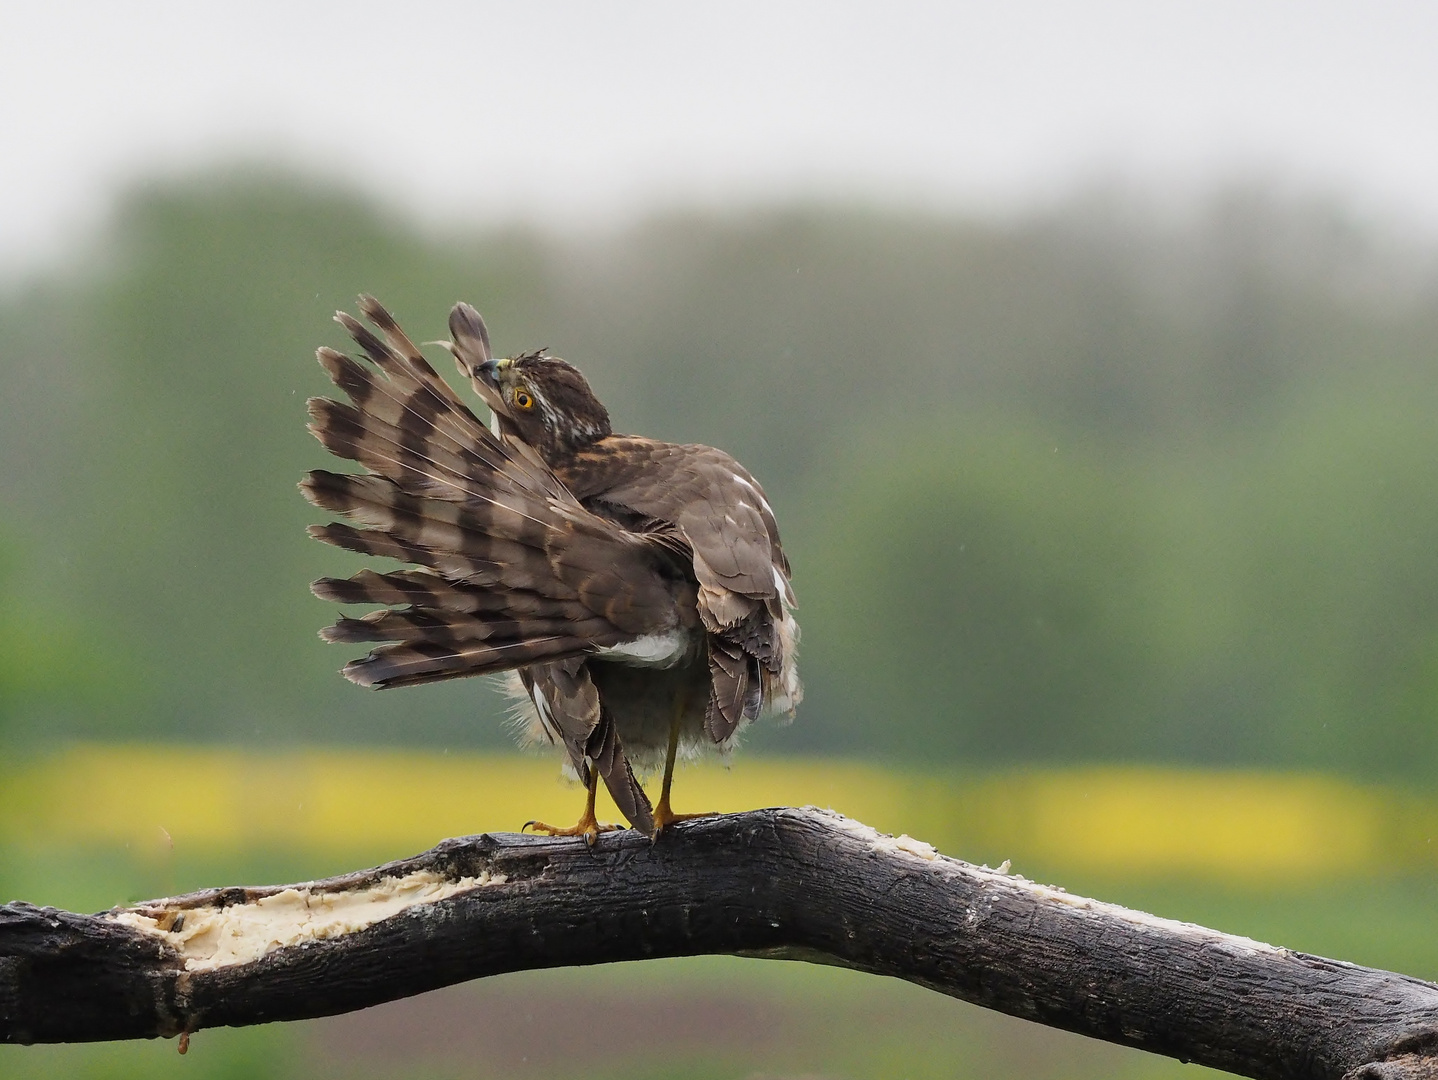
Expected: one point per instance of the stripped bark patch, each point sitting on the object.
(215, 936)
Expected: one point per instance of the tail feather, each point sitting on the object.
(609, 760)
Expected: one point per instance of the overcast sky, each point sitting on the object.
(576, 111)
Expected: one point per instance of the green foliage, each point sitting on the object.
(1076, 487)
(46, 663)
(1076, 602)
(978, 594)
(1342, 579)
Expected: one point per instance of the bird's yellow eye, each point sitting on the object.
(522, 400)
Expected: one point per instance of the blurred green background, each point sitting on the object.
(1096, 485)
(1102, 485)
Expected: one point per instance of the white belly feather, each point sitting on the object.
(652, 650)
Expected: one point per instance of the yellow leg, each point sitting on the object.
(588, 825)
(662, 814)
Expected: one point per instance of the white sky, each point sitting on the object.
(576, 111)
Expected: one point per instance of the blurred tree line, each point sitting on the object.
(1095, 484)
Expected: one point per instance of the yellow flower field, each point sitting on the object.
(1130, 822)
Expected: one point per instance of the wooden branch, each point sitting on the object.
(785, 884)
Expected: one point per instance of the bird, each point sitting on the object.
(633, 594)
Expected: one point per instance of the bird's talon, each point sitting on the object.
(664, 817)
(589, 829)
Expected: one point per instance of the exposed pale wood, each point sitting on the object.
(790, 884)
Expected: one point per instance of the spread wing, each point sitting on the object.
(724, 518)
(513, 570)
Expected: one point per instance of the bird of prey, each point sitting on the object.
(635, 591)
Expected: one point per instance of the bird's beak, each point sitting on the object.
(488, 373)
(484, 377)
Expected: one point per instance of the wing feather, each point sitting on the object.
(516, 571)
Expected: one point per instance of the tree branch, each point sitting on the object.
(785, 884)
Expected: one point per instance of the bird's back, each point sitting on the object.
(719, 512)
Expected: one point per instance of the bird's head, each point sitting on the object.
(540, 399)
(546, 402)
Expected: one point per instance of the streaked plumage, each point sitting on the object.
(637, 589)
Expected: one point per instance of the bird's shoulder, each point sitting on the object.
(701, 491)
(648, 473)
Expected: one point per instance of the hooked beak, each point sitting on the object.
(484, 376)
(488, 373)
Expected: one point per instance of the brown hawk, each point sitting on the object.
(635, 590)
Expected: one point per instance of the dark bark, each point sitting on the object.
(789, 884)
